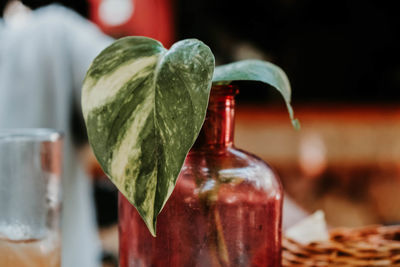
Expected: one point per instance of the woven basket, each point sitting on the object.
(367, 246)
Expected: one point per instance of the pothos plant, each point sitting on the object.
(144, 107)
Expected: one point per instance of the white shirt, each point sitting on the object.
(43, 60)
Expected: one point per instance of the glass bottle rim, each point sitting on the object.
(224, 90)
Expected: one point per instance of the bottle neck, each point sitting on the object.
(218, 128)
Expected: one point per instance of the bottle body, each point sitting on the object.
(226, 208)
(232, 218)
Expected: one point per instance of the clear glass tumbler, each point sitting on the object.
(30, 200)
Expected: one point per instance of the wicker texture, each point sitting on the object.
(367, 246)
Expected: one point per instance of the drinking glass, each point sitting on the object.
(30, 179)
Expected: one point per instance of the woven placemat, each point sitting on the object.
(367, 246)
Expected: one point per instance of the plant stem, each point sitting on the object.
(216, 241)
(221, 244)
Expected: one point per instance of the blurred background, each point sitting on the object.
(343, 61)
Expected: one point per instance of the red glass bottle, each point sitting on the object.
(226, 208)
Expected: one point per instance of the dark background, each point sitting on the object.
(333, 51)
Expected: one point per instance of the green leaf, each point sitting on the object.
(257, 70)
(144, 107)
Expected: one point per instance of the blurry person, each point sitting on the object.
(44, 55)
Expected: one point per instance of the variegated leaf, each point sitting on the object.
(258, 70)
(144, 106)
